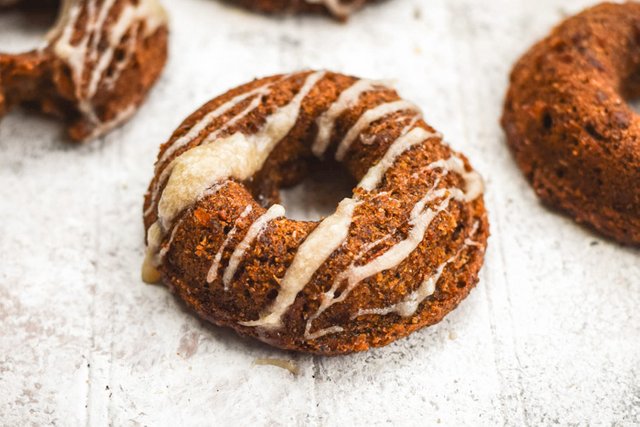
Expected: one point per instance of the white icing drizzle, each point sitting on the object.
(409, 305)
(368, 118)
(326, 121)
(120, 118)
(213, 270)
(474, 186)
(338, 7)
(259, 94)
(404, 143)
(238, 156)
(312, 253)
(165, 249)
(420, 219)
(256, 229)
(209, 118)
(93, 53)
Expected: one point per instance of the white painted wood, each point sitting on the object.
(551, 334)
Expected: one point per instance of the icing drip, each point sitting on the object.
(326, 121)
(314, 251)
(213, 271)
(91, 56)
(149, 272)
(238, 156)
(338, 7)
(409, 305)
(368, 118)
(256, 229)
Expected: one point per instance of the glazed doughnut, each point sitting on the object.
(96, 66)
(568, 122)
(340, 9)
(399, 254)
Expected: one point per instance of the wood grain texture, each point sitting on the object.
(551, 334)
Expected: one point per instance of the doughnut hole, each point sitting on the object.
(319, 191)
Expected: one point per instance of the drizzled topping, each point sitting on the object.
(200, 170)
(238, 156)
(213, 271)
(368, 118)
(312, 253)
(326, 121)
(256, 229)
(409, 305)
(404, 143)
(90, 57)
(420, 218)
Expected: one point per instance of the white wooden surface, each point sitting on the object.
(551, 334)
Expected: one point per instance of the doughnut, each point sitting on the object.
(397, 255)
(95, 67)
(340, 9)
(568, 122)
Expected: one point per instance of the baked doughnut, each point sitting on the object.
(96, 66)
(568, 122)
(398, 255)
(340, 9)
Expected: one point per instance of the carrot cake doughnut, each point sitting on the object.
(568, 122)
(96, 65)
(396, 256)
(340, 9)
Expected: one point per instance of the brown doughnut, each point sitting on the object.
(97, 65)
(568, 122)
(340, 9)
(398, 255)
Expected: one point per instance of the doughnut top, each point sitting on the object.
(255, 139)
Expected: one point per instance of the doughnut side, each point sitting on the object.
(337, 8)
(568, 122)
(398, 255)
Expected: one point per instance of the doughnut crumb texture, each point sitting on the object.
(569, 124)
(397, 255)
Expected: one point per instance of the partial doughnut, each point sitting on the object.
(95, 68)
(569, 124)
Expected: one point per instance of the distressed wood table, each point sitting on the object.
(551, 334)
